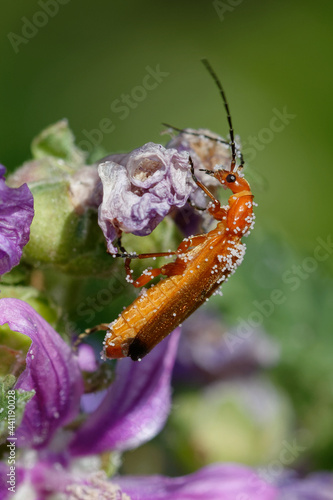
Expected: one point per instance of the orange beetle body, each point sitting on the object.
(204, 262)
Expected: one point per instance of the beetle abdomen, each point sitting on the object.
(160, 309)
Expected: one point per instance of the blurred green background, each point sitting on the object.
(270, 56)
(267, 54)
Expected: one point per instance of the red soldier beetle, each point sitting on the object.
(203, 262)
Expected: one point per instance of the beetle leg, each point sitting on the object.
(215, 209)
(218, 212)
(191, 242)
(184, 246)
(170, 269)
(130, 256)
(88, 331)
(118, 243)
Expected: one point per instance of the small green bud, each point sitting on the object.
(58, 141)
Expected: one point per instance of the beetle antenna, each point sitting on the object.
(196, 134)
(231, 130)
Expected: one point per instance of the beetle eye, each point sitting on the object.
(231, 178)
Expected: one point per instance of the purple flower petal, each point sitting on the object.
(140, 190)
(16, 214)
(317, 486)
(135, 406)
(51, 370)
(91, 401)
(86, 358)
(215, 482)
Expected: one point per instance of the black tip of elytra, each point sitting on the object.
(137, 350)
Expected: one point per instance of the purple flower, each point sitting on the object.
(215, 482)
(51, 370)
(60, 444)
(131, 411)
(140, 188)
(134, 408)
(318, 486)
(16, 214)
(227, 482)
